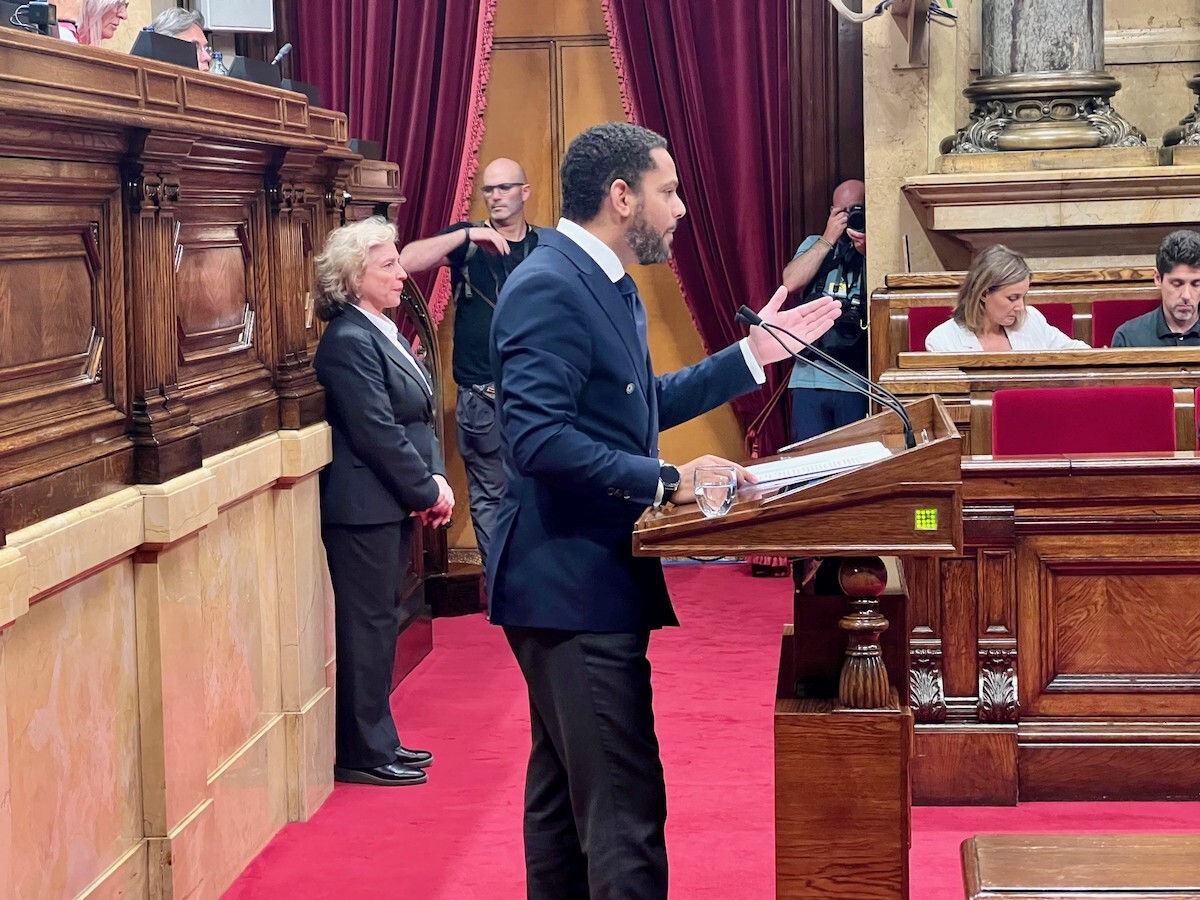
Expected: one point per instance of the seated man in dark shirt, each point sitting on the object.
(1177, 322)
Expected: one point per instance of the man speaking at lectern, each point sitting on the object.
(580, 411)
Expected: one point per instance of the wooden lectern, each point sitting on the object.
(842, 749)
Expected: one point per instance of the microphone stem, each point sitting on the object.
(863, 385)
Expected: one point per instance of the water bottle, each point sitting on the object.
(217, 66)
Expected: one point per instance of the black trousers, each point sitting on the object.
(595, 800)
(366, 564)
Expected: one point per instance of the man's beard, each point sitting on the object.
(648, 246)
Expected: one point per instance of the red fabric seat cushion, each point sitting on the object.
(1109, 315)
(921, 321)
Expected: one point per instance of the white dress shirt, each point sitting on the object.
(608, 262)
(1035, 333)
(392, 333)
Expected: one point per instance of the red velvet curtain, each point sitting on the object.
(712, 78)
(410, 75)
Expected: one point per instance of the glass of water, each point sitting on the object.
(715, 489)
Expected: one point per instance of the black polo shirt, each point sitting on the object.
(477, 274)
(1152, 330)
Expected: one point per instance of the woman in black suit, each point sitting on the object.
(387, 468)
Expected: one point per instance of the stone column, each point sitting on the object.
(1042, 84)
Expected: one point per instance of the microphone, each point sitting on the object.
(861, 383)
(283, 51)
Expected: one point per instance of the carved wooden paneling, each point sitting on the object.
(155, 261)
(1110, 625)
(1073, 613)
(965, 764)
(62, 361)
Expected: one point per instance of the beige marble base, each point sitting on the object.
(179, 863)
(170, 647)
(249, 803)
(310, 754)
(128, 877)
(1180, 156)
(1047, 160)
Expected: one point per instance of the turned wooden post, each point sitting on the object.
(864, 681)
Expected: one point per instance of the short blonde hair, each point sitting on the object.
(995, 267)
(91, 19)
(343, 261)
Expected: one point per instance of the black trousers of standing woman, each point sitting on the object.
(366, 564)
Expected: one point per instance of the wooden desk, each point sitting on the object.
(967, 381)
(1059, 657)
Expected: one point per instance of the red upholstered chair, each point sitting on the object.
(1129, 419)
(921, 321)
(1109, 315)
(1060, 315)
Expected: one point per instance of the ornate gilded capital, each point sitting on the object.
(998, 686)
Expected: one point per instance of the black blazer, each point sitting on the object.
(385, 448)
(581, 409)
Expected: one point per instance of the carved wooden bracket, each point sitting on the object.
(284, 195)
(998, 686)
(926, 689)
(336, 198)
(154, 190)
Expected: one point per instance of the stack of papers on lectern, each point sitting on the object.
(818, 465)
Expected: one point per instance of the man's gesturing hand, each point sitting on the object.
(808, 321)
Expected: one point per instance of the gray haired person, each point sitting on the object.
(185, 25)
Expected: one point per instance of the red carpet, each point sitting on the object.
(459, 836)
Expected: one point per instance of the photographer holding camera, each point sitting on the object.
(833, 264)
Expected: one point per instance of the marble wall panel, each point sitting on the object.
(181, 865)
(171, 673)
(310, 756)
(71, 698)
(6, 821)
(302, 592)
(249, 804)
(1154, 97)
(239, 600)
(1119, 14)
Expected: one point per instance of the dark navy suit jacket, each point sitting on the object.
(580, 410)
(385, 448)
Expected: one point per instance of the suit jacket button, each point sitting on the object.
(629, 388)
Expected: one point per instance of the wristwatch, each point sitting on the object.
(670, 478)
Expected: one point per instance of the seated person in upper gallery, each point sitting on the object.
(1177, 322)
(93, 20)
(185, 25)
(991, 315)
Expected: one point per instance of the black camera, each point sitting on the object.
(856, 217)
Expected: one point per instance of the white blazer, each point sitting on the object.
(1035, 333)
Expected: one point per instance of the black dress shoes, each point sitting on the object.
(392, 774)
(418, 759)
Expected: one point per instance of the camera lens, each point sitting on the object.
(857, 218)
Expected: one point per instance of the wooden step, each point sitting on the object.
(1078, 866)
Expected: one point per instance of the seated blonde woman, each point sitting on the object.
(991, 314)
